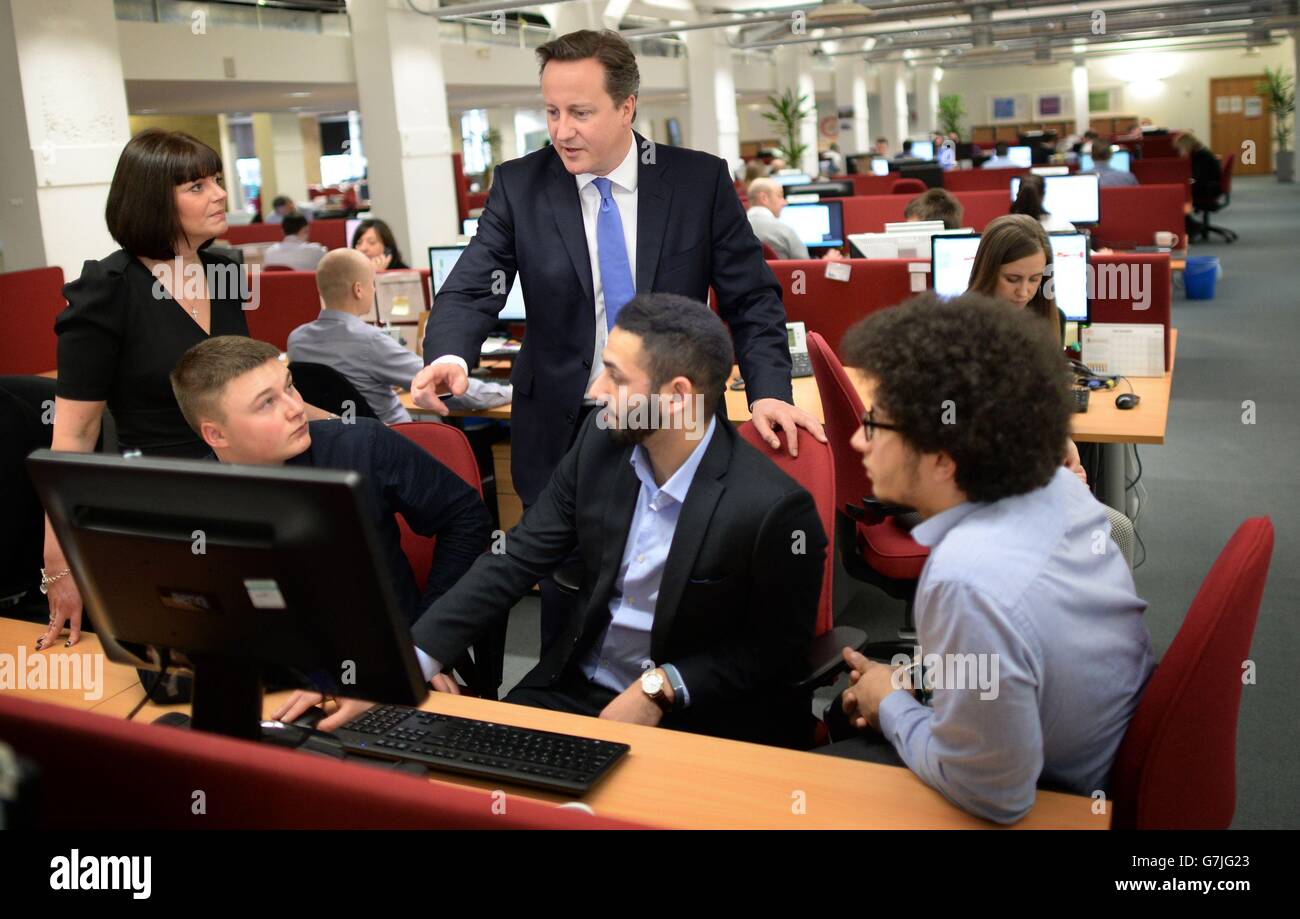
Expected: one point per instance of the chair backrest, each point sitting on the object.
(1164, 170)
(286, 300)
(1132, 287)
(830, 306)
(956, 180)
(769, 252)
(247, 785)
(842, 411)
(240, 235)
(29, 303)
(907, 187)
(324, 387)
(1131, 215)
(1176, 768)
(332, 232)
(271, 267)
(814, 469)
(449, 446)
(1225, 175)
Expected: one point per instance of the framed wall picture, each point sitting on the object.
(1004, 108)
(1051, 105)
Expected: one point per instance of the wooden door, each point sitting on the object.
(1238, 113)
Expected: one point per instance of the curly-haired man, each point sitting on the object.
(1031, 633)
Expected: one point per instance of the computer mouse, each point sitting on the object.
(300, 738)
(1127, 400)
(310, 718)
(173, 719)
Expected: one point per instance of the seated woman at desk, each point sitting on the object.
(1013, 257)
(374, 239)
(1029, 201)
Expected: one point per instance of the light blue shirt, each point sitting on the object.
(997, 162)
(374, 363)
(1035, 588)
(623, 653)
(1110, 177)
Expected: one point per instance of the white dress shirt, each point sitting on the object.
(783, 238)
(623, 180)
(296, 253)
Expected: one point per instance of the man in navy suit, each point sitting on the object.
(585, 224)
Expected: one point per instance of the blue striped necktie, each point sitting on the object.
(611, 253)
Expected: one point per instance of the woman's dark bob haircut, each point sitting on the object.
(141, 212)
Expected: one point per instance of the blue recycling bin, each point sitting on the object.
(1199, 276)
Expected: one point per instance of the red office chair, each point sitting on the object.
(449, 446)
(908, 187)
(769, 252)
(1176, 768)
(278, 268)
(873, 547)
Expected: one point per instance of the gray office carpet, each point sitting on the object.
(1211, 473)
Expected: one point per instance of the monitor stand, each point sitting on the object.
(227, 697)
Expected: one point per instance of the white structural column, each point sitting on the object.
(398, 57)
(62, 131)
(851, 93)
(794, 72)
(277, 138)
(927, 98)
(893, 103)
(1079, 90)
(229, 156)
(570, 17)
(1295, 121)
(714, 125)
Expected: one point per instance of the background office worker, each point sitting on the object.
(587, 222)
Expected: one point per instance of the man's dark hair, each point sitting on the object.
(681, 337)
(280, 201)
(1101, 153)
(1001, 148)
(972, 378)
(936, 204)
(622, 77)
(141, 209)
(292, 223)
(907, 146)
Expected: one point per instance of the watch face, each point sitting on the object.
(652, 682)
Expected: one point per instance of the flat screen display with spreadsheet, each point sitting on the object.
(1075, 198)
(819, 224)
(441, 261)
(952, 257)
(1120, 160)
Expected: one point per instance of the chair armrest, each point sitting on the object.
(826, 657)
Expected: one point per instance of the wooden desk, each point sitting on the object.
(688, 781)
(78, 687)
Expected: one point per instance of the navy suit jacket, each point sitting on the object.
(692, 233)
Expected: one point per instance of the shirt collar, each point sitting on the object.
(931, 532)
(623, 175)
(763, 209)
(679, 483)
(339, 316)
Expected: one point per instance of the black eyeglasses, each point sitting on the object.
(869, 424)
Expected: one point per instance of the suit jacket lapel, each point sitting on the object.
(654, 195)
(562, 190)
(692, 526)
(614, 533)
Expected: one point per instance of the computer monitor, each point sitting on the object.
(858, 163)
(399, 296)
(350, 230)
(1120, 160)
(240, 575)
(908, 240)
(951, 260)
(1021, 156)
(929, 173)
(1076, 198)
(794, 178)
(923, 149)
(818, 225)
(1050, 170)
(441, 261)
(836, 188)
(469, 226)
(1069, 275)
(880, 166)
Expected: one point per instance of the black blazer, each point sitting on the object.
(691, 233)
(737, 605)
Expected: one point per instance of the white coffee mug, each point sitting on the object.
(1166, 239)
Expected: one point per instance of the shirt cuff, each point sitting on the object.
(893, 707)
(451, 359)
(428, 666)
(681, 695)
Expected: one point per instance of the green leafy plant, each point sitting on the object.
(951, 113)
(787, 115)
(1278, 87)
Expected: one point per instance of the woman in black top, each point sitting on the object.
(132, 315)
(374, 239)
(1207, 178)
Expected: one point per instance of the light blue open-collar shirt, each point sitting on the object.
(1035, 589)
(623, 653)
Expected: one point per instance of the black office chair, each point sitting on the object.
(324, 387)
(1209, 204)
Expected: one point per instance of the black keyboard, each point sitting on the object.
(1080, 399)
(556, 762)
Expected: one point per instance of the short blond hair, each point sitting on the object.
(201, 375)
(762, 185)
(338, 271)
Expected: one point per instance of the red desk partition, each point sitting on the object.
(29, 303)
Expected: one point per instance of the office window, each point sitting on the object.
(530, 133)
(473, 139)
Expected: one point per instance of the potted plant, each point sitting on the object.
(951, 113)
(787, 115)
(1278, 89)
